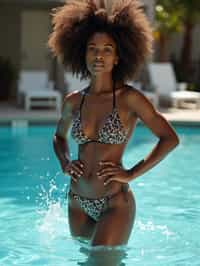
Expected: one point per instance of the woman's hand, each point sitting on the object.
(74, 169)
(113, 172)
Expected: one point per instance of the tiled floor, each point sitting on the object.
(10, 112)
(182, 116)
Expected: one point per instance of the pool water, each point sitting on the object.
(33, 214)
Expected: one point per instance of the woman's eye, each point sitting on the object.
(91, 48)
(108, 50)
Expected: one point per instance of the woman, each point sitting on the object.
(107, 43)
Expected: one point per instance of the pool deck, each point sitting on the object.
(10, 113)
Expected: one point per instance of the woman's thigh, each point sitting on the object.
(115, 225)
(81, 225)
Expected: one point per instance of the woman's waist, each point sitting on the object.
(94, 188)
(92, 166)
(92, 163)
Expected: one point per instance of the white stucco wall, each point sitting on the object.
(35, 27)
(150, 8)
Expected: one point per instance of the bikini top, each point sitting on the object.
(112, 131)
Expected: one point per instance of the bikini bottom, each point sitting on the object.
(93, 207)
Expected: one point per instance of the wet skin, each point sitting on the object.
(92, 154)
(115, 225)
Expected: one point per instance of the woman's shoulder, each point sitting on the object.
(133, 97)
(131, 93)
(73, 98)
(130, 90)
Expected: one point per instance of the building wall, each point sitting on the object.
(10, 34)
(35, 28)
(150, 8)
(24, 27)
(24, 34)
(10, 37)
(10, 27)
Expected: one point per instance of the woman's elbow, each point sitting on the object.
(171, 140)
(175, 140)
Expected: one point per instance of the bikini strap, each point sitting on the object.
(82, 100)
(114, 96)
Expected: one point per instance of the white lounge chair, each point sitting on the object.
(74, 83)
(34, 90)
(163, 80)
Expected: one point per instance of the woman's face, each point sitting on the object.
(101, 54)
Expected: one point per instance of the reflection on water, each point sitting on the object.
(33, 218)
(53, 225)
(101, 255)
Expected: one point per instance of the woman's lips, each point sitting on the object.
(98, 64)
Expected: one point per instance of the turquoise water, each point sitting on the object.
(33, 218)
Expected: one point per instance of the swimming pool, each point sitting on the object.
(33, 223)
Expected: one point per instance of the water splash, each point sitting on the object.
(51, 211)
(53, 224)
(150, 226)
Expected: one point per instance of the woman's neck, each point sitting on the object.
(100, 85)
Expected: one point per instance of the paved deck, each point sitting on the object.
(9, 113)
(182, 116)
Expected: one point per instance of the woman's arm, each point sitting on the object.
(59, 140)
(73, 168)
(168, 139)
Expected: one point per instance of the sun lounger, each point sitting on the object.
(34, 90)
(163, 80)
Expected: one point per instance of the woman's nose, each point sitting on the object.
(99, 58)
(98, 55)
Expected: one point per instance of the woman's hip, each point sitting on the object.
(123, 198)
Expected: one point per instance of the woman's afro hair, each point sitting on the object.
(124, 20)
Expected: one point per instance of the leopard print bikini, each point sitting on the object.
(112, 132)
